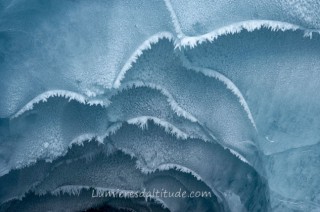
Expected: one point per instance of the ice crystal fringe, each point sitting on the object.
(228, 83)
(57, 93)
(146, 45)
(236, 28)
(142, 122)
(174, 105)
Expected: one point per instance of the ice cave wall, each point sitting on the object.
(132, 95)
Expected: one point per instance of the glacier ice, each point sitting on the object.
(79, 202)
(203, 16)
(270, 70)
(99, 160)
(79, 46)
(205, 159)
(62, 122)
(119, 96)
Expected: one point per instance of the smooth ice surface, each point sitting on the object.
(294, 177)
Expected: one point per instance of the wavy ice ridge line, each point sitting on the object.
(146, 45)
(83, 100)
(192, 41)
(184, 42)
(79, 140)
(170, 166)
(235, 28)
(174, 19)
(171, 101)
(142, 122)
(251, 25)
(173, 166)
(183, 169)
(226, 81)
(57, 93)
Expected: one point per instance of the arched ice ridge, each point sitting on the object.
(210, 161)
(97, 160)
(208, 151)
(218, 95)
(277, 73)
(44, 130)
(194, 18)
(201, 95)
(79, 201)
(72, 45)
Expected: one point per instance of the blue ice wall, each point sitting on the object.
(136, 95)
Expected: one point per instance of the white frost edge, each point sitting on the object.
(79, 141)
(183, 169)
(137, 121)
(113, 129)
(185, 41)
(146, 45)
(57, 93)
(235, 28)
(226, 81)
(238, 155)
(232, 87)
(142, 122)
(171, 166)
(173, 104)
(174, 19)
(85, 137)
(175, 107)
(193, 41)
(250, 26)
(162, 167)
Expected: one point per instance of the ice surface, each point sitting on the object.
(81, 201)
(202, 16)
(202, 96)
(46, 129)
(294, 177)
(132, 95)
(206, 159)
(98, 160)
(72, 45)
(277, 72)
